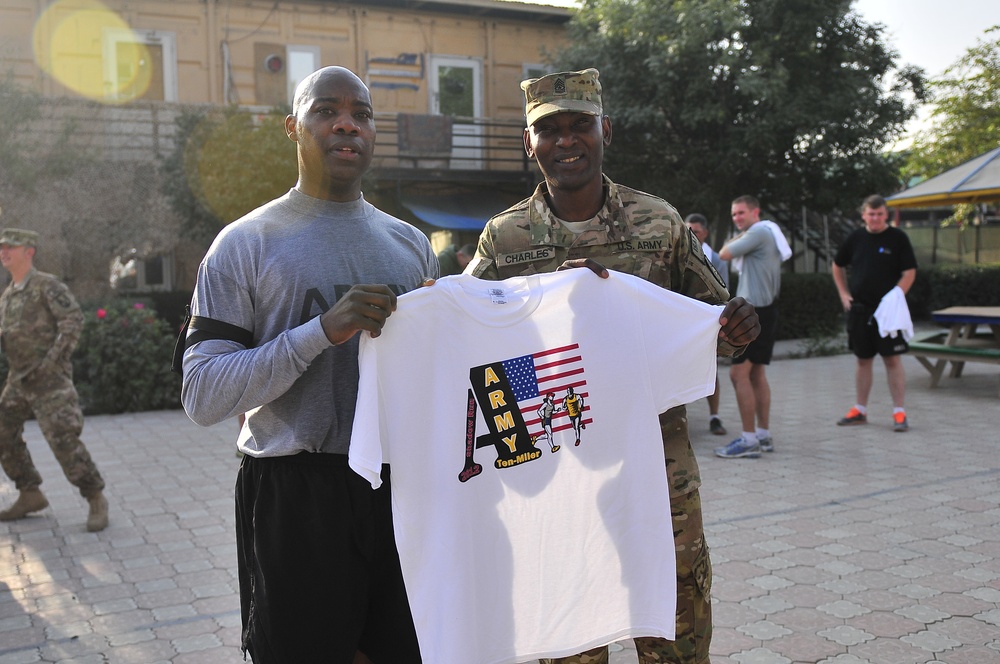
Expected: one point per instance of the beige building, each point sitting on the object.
(114, 76)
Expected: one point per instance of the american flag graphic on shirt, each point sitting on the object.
(533, 376)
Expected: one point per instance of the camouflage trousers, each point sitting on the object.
(54, 402)
(694, 610)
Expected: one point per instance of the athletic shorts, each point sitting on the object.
(318, 568)
(863, 338)
(761, 349)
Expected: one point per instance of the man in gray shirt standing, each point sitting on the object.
(754, 253)
(281, 298)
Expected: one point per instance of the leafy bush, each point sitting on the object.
(224, 165)
(122, 362)
(941, 286)
(808, 306)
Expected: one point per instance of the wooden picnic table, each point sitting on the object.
(961, 343)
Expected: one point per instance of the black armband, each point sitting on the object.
(203, 329)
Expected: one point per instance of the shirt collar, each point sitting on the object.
(610, 225)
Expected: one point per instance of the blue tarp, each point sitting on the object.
(458, 212)
(451, 221)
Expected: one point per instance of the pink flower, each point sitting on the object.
(102, 313)
(138, 305)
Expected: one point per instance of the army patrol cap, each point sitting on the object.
(563, 92)
(15, 237)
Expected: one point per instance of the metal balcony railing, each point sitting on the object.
(446, 143)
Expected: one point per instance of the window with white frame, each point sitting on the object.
(302, 61)
(140, 64)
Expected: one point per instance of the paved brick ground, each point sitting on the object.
(845, 546)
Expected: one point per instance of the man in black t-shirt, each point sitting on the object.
(881, 259)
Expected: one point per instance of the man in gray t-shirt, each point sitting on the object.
(755, 255)
(282, 296)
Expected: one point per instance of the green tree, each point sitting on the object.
(965, 115)
(225, 165)
(791, 100)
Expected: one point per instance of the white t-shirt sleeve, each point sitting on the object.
(680, 337)
(366, 453)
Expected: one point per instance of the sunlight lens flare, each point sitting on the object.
(92, 51)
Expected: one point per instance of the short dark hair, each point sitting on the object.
(748, 200)
(874, 202)
(695, 218)
(468, 249)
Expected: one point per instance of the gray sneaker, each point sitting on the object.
(766, 444)
(737, 449)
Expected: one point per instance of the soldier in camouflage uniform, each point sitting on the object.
(40, 323)
(579, 218)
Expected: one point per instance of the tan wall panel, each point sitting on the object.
(187, 19)
(508, 79)
(17, 20)
(459, 37)
(306, 23)
(521, 44)
(403, 32)
(341, 55)
(503, 46)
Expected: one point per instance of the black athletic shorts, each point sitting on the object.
(761, 349)
(319, 573)
(863, 338)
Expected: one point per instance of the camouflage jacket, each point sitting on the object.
(635, 233)
(39, 322)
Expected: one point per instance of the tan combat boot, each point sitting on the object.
(98, 517)
(28, 501)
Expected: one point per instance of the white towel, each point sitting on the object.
(893, 316)
(779, 240)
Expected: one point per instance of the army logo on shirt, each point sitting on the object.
(525, 400)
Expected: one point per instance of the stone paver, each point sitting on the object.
(847, 545)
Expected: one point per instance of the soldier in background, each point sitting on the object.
(453, 259)
(578, 217)
(40, 323)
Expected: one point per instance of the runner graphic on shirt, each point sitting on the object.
(573, 405)
(517, 413)
(544, 413)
